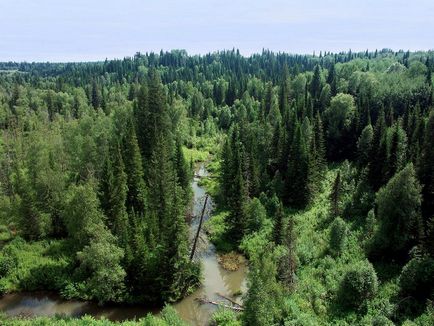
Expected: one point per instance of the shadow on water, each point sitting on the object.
(215, 280)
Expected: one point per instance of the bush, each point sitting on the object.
(171, 317)
(3, 286)
(255, 215)
(225, 317)
(7, 263)
(381, 321)
(338, 236)
(417, 278)
(360, 283)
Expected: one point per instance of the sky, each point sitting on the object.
(89, 30)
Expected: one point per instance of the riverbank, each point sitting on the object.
(216, 281)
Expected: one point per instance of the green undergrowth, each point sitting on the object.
(320, 270)
(216, 229)
(168, 317)
(30, 266)
(195, 155)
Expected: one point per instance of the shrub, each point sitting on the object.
(359, 284)
(338, 236)
(7, 263)
(255, 215)
(171, 317)
(3, 286)
(417, 278)
(381, 321)
(224, 317)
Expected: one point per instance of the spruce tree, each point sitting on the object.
(378, 154)
(364, 145)
(181, 166)
(336, 195)
(426, 170)
(284, 91)
(238, 192)
(297, 176)
(398, 150)
(137, 191)
(288, 261)
(315, 84)
(114, 191)
(141, 116)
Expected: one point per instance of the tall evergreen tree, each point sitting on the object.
(297, 176)
(137, 191)
(378, 155)
(398, 150)
(238, 192)
(426, 170)
(284, 91)
(315, 84)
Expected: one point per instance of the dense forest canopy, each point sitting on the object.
(325, 166)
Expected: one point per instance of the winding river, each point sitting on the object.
(215, 280)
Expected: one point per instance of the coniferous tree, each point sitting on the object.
(317, 160)
(297, 176)
(426, 170)
(141, 116)
(137, 192)
(96, 95)
(331, 80)
(288, 261)
(378, 155)
(315, 84)
(278, 227)
(284, 91)
(114, 190)
(263, 302)
(226, 173)
(181, 166)
(238, 192)
(364, 145)
(398, 150)
(335, 195)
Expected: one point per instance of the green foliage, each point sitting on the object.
(216, 229)
(225, 317)
(263, 301)
(417, 278)
(100, 259)
(255, 215)
(359, 284)
(168, 317)
(7, 264)
(96, 158)
(339, 117)
(338, 236)
(364, 145)
(399, 225)
(35, 266)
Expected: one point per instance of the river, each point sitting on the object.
(215, 280)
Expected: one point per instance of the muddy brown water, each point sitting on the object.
(215, 281)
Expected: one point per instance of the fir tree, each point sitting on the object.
(297, 176)
(426, 170)
(378, 155)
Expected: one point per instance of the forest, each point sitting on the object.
(324, 181)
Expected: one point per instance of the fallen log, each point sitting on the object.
(220, 304)
(198, 228)
(230, 300)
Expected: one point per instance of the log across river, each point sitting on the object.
(216, 283)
